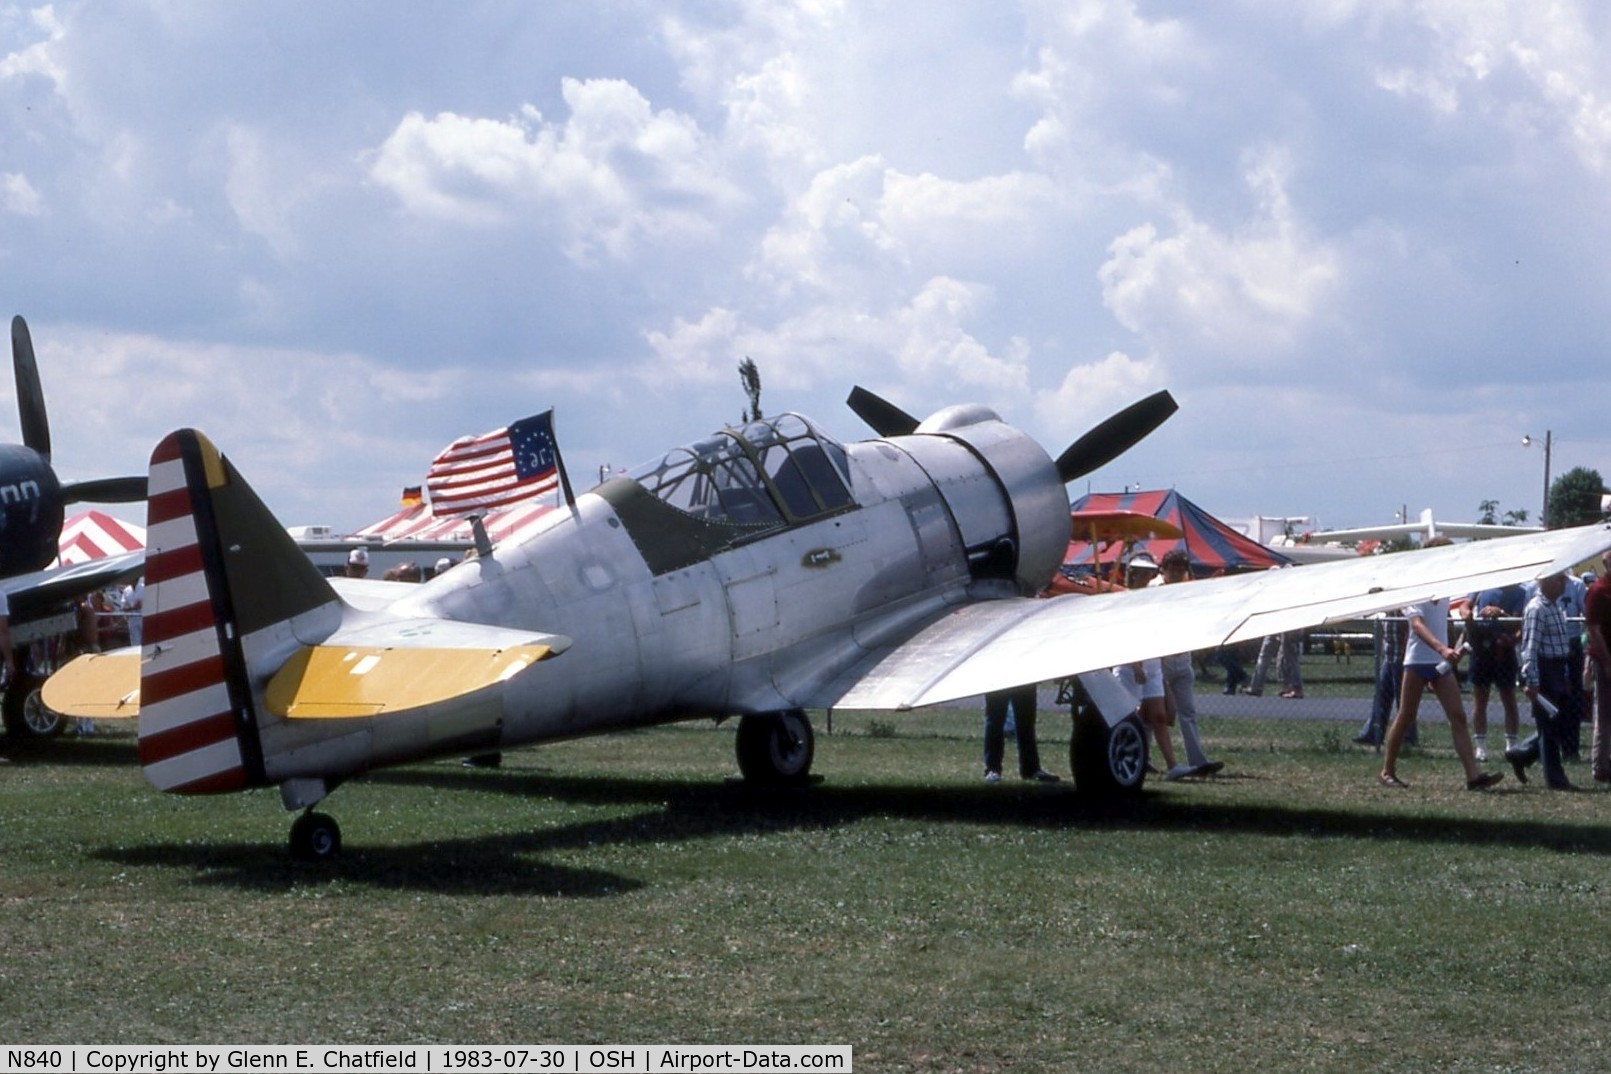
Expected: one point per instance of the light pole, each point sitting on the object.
(1527, 441)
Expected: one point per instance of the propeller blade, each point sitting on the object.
(885, 418)
(107, 490)
(1115, 436)
(30, 396)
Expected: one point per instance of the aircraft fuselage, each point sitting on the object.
(698, 586)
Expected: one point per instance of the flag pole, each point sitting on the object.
(483, 544)
(559, 464)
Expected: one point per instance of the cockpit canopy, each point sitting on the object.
(773, 472)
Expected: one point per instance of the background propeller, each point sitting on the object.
(30, 396)
(1113, 437)
(107, 490)
(36, 428)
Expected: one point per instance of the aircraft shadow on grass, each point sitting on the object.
(678, 811)
(74, 752)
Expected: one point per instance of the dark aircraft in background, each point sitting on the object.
(33, 503)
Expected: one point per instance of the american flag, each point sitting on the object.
(476, 474)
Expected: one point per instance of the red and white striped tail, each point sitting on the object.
(195, 734)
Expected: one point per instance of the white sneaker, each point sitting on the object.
(992, 776)
(1482, 752)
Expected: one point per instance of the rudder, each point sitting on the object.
(227, 594)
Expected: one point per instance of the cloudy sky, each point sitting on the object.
(1365, 243)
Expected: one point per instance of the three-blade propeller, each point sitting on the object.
(1101, 445)
(36, 428)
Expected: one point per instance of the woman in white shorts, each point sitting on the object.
(1154, 710)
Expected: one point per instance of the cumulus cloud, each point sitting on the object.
(1084, 200)
(284, 415)
(18, 196)
(1479, 54)
(761, 71)
(38, 58)
(1090, 392)
(831, 231)
(1246, 296)
(613, 174)
(925, 342)
(936, 346)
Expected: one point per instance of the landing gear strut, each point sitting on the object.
(775, 748)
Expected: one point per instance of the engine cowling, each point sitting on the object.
(31, 510)
(1003, 492)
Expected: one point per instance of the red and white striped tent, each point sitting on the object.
(94, 535)
(416, 523)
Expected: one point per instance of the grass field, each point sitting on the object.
(1288, 915)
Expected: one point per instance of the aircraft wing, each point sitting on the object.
(43, 589)
(385, 667)
(993, 645)
(96, 686)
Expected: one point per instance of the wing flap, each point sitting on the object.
(335, 681)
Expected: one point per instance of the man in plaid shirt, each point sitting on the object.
(1546, 671)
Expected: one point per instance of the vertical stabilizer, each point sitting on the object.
(227, 592)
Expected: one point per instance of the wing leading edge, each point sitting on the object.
(994, 645)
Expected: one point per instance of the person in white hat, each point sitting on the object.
(358, 563)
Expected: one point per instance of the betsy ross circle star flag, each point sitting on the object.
(476, 474)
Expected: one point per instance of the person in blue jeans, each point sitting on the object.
(1020, 700)
(1546, 669)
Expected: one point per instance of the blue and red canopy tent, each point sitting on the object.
(1104, 522)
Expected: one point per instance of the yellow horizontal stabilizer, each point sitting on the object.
(328, 682)
(96, 686)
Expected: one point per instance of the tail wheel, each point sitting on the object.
(775, 748)
(315, 837)
(1108, 762)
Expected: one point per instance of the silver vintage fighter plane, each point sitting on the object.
(760, 573)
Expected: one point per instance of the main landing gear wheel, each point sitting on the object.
(25, 714)
(775, 748)
(315, 837)
(1108, 762)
